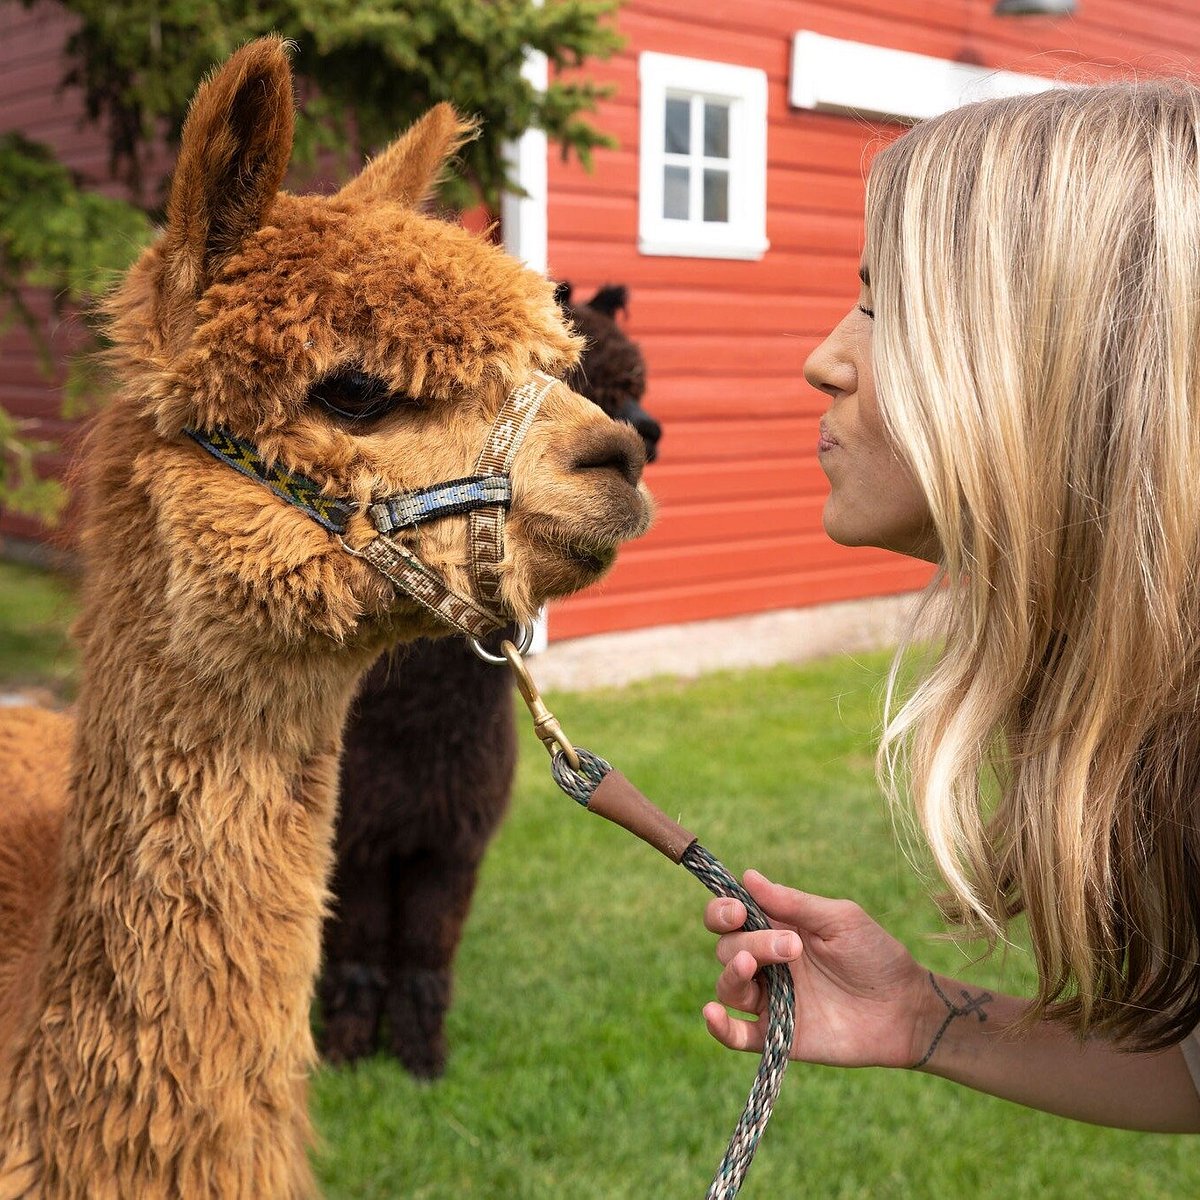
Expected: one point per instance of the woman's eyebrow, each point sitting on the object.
(865, 276)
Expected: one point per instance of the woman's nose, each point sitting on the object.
(829, 371)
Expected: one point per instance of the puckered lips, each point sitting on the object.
(825, 439)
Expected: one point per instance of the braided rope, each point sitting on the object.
(781, 1008)
(781, 1024)
(579, 785)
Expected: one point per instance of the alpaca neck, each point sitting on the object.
(171, 1034)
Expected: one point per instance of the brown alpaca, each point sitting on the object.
(156, 1039)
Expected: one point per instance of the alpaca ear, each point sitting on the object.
(610, 299)
(235, 148)
(408, 170)
(562, 294)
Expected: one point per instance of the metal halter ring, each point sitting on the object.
(523, 640)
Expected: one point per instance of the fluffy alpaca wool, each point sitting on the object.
(157, 1038)
(426, 779)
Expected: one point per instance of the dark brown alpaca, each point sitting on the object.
(611, 372)
(426, 778)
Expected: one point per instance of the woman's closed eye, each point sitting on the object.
(869, 312)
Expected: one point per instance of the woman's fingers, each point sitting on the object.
(737, 985)
(737, 1035)
(722, 916)
(744, 953)
(766, 945)
(784, 906)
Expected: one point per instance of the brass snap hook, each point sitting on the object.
(545, 723)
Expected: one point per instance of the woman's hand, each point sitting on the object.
(861, 999)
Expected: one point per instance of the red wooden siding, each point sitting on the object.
(739, 489)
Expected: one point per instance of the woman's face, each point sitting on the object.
(873, 499)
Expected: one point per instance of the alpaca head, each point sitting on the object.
(360, 343)
(612, 371)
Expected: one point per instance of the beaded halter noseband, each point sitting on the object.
(485, 496)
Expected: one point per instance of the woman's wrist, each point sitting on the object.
(947, 1011)
(963, 1032)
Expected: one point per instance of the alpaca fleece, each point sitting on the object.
(427, 774)
(156, 1034)
(611, 372)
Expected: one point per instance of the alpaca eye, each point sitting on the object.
(353, 395)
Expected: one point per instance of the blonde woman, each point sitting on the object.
(1016, 397)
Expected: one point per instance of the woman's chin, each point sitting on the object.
(920, 542)
(841, 530)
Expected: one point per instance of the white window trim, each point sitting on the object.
(523, 223)
(525, 228)
(745, 88)
(834, 75)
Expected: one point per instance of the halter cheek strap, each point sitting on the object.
(512, 423)
(486, 532)
(486, 496)
(423, 584)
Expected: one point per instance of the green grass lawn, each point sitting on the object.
(35, 609)
(580, 1066)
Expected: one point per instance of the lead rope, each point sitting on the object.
(593, 783)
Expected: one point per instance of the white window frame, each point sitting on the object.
(744, 89)
(833, 75)
(525, 229)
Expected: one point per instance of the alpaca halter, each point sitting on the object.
(483, 497)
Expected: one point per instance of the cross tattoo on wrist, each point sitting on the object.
(974, 1004)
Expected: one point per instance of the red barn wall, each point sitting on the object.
(738, 484)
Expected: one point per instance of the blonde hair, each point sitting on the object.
(1035, 268)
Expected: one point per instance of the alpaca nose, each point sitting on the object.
(614, 447)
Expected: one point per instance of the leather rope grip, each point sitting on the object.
(616, 799)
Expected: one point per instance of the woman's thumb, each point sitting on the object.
(803, 910)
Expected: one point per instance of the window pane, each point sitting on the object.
(716, 195)
(675, 193)
(716, 130)
(678, 131)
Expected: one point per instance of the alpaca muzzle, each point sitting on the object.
(483, 497)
